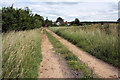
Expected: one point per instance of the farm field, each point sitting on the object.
(21, 53)
(60, 39)
(99, 40)
(106, 71)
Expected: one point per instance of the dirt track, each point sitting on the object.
(102, 69)
(52, 66)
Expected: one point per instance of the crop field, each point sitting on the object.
(59, 39)
(21, 53)
(99, 40)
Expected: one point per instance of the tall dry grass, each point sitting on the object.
(21, 54)
(99, 40)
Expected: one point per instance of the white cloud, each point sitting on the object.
(83, 9)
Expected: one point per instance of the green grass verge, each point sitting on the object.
(71, 59)
(21, 54)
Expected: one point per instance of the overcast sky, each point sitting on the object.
(85, 10)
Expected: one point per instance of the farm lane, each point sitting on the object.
(102, 69)
(52, 66)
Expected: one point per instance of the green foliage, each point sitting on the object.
(63, 50)
(71, 59)
(101, 41)
(19, 19)
(48, 23)
(80, 67)
(44, 31)
(59, 19)
(77, 22)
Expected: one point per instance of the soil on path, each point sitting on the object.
(52, 66)
(100, 68)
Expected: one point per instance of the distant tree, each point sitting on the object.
(40, 18)
(72, 22)
(48, 22)
(118, 20)
(59, 19)
(77, 22)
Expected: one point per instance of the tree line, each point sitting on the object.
(21, 19)
(24, 19)
(76, 22)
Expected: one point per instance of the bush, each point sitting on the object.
(19, 19)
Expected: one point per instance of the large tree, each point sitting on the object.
(19, 19)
